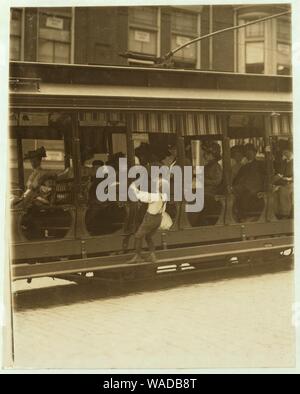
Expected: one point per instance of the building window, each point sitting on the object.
(265, 47)
(54, 35)
(255, 57)
(185, 27)
(284, 57)
(252, 43)
(16, 30)
(144, 30)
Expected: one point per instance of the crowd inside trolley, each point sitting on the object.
(47, 191)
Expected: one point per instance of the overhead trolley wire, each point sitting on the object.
(197, 39)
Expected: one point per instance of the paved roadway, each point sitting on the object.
(218, 321)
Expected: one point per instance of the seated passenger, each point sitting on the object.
(142, 154)
(213, 172)
(34, 189)
(249, 181)
(213, 175)
(103, 217)
(278, 148)
(86, 171)
(35, 158)
(87, 154)
(34, 193)
(95, 181)
(238, 160)
(172, 157)
(283, 182)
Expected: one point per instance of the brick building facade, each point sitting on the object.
(141, 35)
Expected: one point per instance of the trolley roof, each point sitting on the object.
(84, 86)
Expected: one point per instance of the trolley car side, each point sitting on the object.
(114, 110)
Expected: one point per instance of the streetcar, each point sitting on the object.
(114, 111)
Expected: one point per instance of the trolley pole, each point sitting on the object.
(228, 219)
(166, 59)
(80, 226)
(20, 164)
(76, 156)
(182, 158)
(270, 215)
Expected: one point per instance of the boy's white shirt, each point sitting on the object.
(155, 201)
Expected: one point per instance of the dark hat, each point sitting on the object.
(250, 147)
(40, 152)
(238, 148)
(213, 148)
(87, 153)
(97, 163)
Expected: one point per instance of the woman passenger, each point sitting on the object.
(35, 157)
(35, 193)
(34, 183)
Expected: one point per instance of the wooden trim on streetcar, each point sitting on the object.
(47, 250)
(196, 254)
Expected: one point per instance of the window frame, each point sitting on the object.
(56, 13)
(156, 29)
(197, 62)
(270, 40)
(257, 43)
(284, 41)
(242, 40)
(22, 32)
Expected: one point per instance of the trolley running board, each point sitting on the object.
(194, 255)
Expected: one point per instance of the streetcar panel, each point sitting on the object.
(70, 109)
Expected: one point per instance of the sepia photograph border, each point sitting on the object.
(6, 338)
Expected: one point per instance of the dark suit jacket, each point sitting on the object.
(286, 170)
(251, 177)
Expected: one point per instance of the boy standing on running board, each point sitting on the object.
(156, 206)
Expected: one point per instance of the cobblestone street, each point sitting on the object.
(236, 322)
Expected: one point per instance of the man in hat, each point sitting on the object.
(213, 173)
(170, 160)
(238, 159)
(249, 181)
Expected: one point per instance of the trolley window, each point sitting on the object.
(40, 159)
